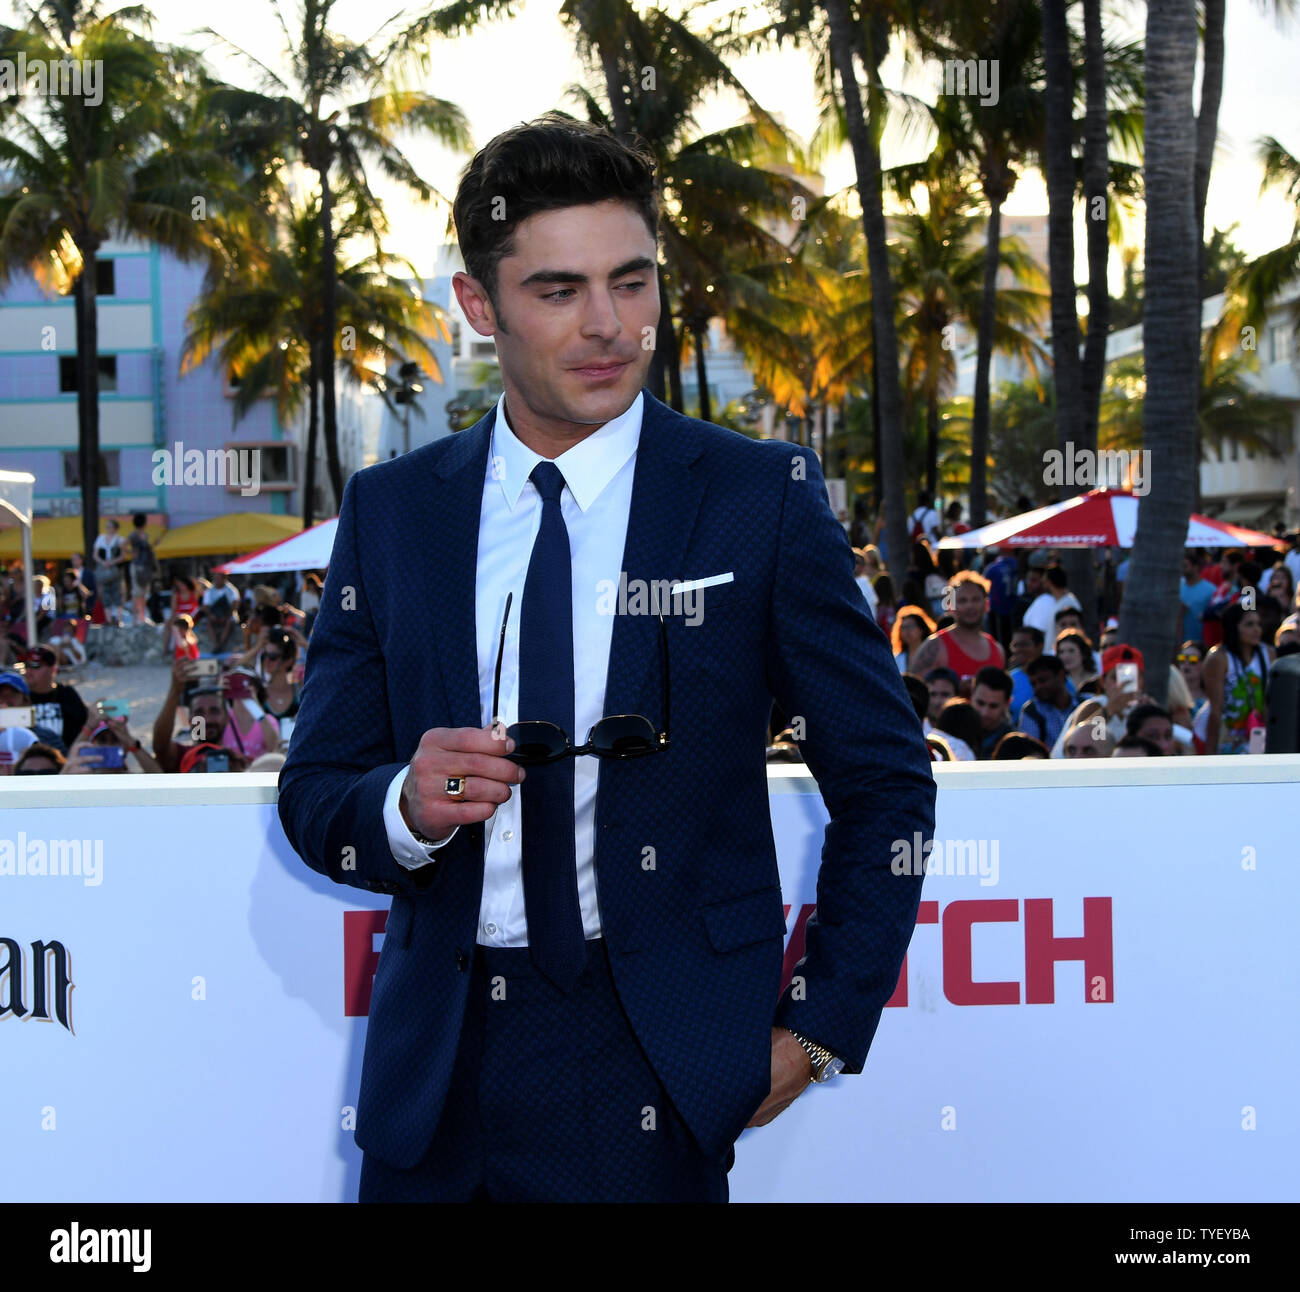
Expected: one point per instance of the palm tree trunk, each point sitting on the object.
(87, 328)
(313, 435)
(866, 160)
(666, 365)
(1170, 338)
(701, 334)
(979, 422)
(932, 440)
(1096, 172)
(1207, 129)
(329, 288)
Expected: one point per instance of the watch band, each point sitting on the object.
(824, 1062)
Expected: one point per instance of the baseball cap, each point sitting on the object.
(1120, 654)
(39, 655)
(14, 741)
(1038, 560)
(192, 756)
(17, 681)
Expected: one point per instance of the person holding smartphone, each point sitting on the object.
(250, 731)
(105, 745)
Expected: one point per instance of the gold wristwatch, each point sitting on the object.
(824, 1064)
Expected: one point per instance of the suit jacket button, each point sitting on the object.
(462, 961)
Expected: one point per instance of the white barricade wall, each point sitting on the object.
(1099, 1002)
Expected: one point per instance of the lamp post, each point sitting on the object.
(405, 395)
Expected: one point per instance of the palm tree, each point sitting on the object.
(260, 311)
(1256, 284)
(940, 276)
(1170, 337)
(313, 118)
(82, 173)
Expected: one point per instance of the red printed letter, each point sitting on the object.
(360, 959)
(958, 984)
(1043, 949)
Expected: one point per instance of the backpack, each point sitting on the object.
(918, 523)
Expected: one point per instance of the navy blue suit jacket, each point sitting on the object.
(696, 939)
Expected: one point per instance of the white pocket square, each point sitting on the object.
(690, 585)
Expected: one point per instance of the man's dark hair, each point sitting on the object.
(996, 679)
(1248, 572)
(138, 520)
(918, 693)
(1057, 577)
(552, 162)
(1035, 634)
(1148, 747)
(944, 675)
(1067, 610)
(1044, 664)
(1015, 744)
(958, 718)
(1140, 713)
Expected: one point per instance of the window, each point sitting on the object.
(68, 373)
(274, 467)
(482, 350)
(106, 277)
(110, 470)
(1280, 340)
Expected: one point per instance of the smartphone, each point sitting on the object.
(20, 716)
(286, 730)
(204, 668)
(114, 708)
(253, 709)
(217, 761)
(109, 757)
(1128, 676)
(1258, 739)
(237, 687)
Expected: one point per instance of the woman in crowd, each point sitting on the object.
(911, 627)
(1191, 662)
(886, 602)
(251, 731)
(1281, 587)
(1235, 678)
(185, 597)
(1074, 650)
(279, 671)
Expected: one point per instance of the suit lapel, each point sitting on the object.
(452, 526)
(666, 496)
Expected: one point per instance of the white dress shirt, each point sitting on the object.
(595, 504)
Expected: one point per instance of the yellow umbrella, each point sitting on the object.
(240, 531)
(55, 538)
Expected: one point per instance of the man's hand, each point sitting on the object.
(791, 1075)
(473, 752)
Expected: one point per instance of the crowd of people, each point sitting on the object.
(998, 664)
(235, 659)
(994, 655)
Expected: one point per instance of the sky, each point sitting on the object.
(511, 70)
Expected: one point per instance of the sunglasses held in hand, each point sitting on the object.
(621, 735)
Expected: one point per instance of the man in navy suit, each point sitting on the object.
(549, 748)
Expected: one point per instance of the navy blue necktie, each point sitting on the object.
(555, 933)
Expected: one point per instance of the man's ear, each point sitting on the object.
(474, 303)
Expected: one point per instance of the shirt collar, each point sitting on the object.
(587, 467)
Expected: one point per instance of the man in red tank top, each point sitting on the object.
(964, 647)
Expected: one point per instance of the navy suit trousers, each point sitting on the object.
(551, 1099)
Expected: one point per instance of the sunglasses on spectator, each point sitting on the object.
(266, 654)
(1189, 659)
(622, 735)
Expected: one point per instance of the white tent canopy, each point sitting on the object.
(16, 489)
(309, 550)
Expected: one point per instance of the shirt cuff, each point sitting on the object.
(406, 849)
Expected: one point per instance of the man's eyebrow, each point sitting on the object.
(574, 276)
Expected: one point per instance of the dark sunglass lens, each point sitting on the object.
(627, 735)
(536, 742)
